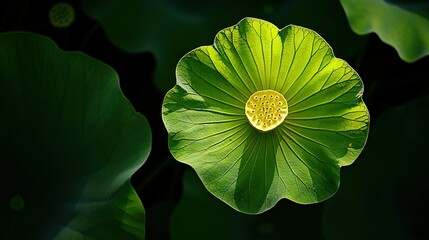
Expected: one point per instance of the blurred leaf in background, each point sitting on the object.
(399, 23)
(170, 28)
(199, 215)
(390, 201)
(70, 142)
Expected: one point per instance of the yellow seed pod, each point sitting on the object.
(266, 109)
(61, 15)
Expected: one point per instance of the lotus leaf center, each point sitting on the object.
(17, 203)
(266, 109)
(61, 15)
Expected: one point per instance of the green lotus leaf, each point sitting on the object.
(136, 26)
(390, 202)
(251, 160)
(416, 6)
(209, 219)
(70, 142)
(405, 26)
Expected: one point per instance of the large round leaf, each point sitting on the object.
(390, 202)
(405, 26)
(300, 160)
(170, 28)
(69, 143)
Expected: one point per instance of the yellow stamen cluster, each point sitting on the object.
(266, 109)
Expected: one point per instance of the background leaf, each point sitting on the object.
(390, 201)
(69, 141)
(207, 218)
(403, 26)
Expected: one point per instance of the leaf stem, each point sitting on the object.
(152, 175)
(88, 35)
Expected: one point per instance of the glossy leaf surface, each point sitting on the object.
(326, 126)
(70, 142)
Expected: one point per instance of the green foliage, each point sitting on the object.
(390, 202)
(326, 127)
(70, 141)
(401, 24)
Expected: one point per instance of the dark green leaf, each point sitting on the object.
(209, 219)
(403, 26)
(69, 143)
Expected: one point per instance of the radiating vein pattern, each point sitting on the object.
(300, 159)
